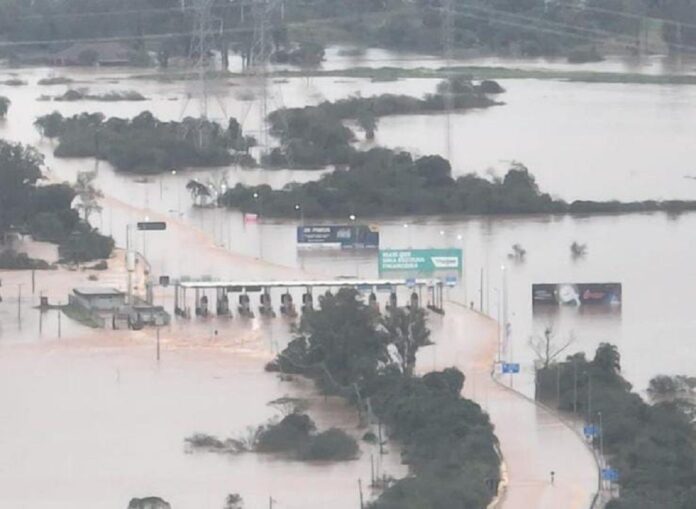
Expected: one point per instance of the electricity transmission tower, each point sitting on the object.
(202, 46)
(448, 48)
(264, 13)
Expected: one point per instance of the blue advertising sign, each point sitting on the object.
(610, 474)
(352, 236)
(510, 367)
(590, 431)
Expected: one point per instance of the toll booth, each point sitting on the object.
(244, 307)
(287, 307)
(265, 305)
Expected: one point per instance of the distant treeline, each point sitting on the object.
(652, 446)
(512, 27)
(447, 441)
(384, 182)
(146, 144)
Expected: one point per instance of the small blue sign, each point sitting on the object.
(510, 367)
(451, 281)
(410, 282)
(590, 431)
(364, 288)
(610, 474)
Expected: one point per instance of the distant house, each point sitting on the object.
(93, 53)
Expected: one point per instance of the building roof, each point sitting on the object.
(96, 291)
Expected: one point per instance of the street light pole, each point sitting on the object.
(601, 438)
(505, 306)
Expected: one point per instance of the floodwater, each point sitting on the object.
(581, 140)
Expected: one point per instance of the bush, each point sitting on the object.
(4, 106)
(292, 433)
(85, 244)
(331, 445)
(12, 260)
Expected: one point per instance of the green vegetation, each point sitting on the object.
(508, 27)
(295, 435)
(57, 80)
(13, 82)
(4, 106)
(383, 182)
(44, 211)
(468, 72)
(315, 136)
(12, 260)
(114, 96)
(448, 442)
(651, 445)
(145, 144)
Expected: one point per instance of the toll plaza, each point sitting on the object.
(219, 297)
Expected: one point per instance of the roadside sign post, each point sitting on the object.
(512, 368)
(130, 255)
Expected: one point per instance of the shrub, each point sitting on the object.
(330, 445)
(12, 260)
(291, 434)
(85, 244)
(4, 106)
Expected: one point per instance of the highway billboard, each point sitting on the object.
(352, 236)
(421, 261)
(577, 294)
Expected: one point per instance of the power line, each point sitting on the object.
(558, 28)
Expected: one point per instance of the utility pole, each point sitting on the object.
(362, 502)
(19, 304)
(448, 46)
(60, 313)
(481, 292)
(601, 438)
(158, 344)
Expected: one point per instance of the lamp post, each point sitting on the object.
(352, 219)
(505, 305)
(300, 211)
(257, 197)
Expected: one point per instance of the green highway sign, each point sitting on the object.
(420, 261)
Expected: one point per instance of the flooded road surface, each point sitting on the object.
(533, 441)
(64, 398)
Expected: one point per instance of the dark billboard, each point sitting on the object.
(577, 294)
(357, 236)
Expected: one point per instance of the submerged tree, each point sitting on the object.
(4, 106)
(518, 253)
(407, 331)
(87, 194)
(547, 348)
(199, 192)
(578, 250)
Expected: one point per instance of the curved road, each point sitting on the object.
(533, 441)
